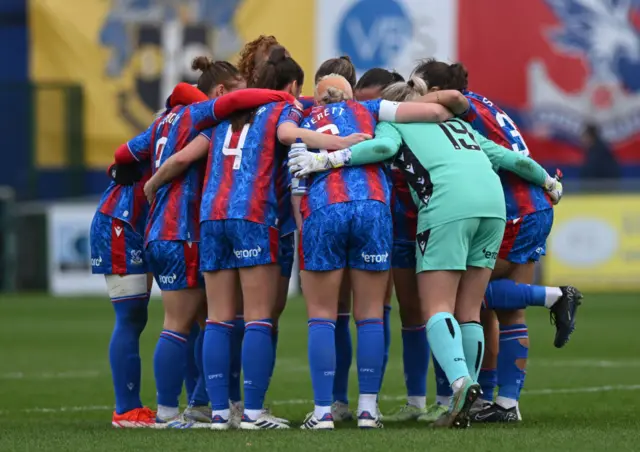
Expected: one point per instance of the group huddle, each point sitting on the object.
(419, 187)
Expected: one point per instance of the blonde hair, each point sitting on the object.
(333, 94)
(405, 91)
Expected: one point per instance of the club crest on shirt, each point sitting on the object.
(136, 257)
(604, 35)
(140, 34)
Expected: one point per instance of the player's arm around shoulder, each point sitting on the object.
(178, 163)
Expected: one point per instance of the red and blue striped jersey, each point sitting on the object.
(404, 210)
(286, 220)
(127, 202)
(175, 211)
(521, 197)
(241, 180)
(353, 183)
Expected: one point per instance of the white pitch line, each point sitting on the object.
(533, 392)
(63, 375)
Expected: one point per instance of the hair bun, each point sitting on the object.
(411, 83)
(277, 54)
(346, 58)
(201, 63)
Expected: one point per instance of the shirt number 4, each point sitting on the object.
(235, 152)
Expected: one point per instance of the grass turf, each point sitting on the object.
(55, 389)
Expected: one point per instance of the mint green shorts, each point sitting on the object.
(470, 242)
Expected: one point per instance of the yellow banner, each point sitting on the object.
(595, 243)
(128, 54)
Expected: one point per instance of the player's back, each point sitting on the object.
(450, 175)
(241, 174)
(486, 117)
(354, 183)
(128, 202)
(174, 213)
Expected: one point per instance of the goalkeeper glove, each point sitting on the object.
(302, 162)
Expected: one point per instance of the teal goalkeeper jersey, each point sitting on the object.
(450, 176)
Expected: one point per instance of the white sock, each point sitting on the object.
(458, 384)
(552, 295)
(224, 414)
(443, 400)
(506, 402)
(320, 411)
(368, 402)
(167, 412)
(252, 414)
(417, 401)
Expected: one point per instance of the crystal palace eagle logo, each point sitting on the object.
(603, 34)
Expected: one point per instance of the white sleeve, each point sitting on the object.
(388, 110)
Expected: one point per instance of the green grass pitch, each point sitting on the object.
(55, 389)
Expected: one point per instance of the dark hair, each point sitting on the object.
(253, 55)
(378, 77)
(340, 66)
(279, 71)
(215, 73)
(442, 75)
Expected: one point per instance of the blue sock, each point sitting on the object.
(509, 295)
(217, 362)
(344, 356)
(510, 377)
(415, 359)
(169, 365)
(488, 380)
(445, 339)
(200, 397)
(370, 355)
(124, 351)
(321, 350)
(443, 387)
(237, 335)
(274, 342)
(191, 373)
(386, 323)
(257, 359)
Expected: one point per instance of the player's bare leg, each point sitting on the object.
(259, 291)
(414, 346)
(321, 291)
(222, 299)
(369, 289)
(181, 309)
(438, 291)
(344, 354)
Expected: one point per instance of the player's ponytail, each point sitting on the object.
(441, 75)
(215, 73)
(341, 66)
(279, 71)
(459, 77)
(405, 91)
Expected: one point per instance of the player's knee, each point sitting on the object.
(130, 300)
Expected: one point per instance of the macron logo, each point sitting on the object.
(118, 230)
(246, 254)
(375, 258)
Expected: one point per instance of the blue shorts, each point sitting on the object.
(175, 264)
(228, 244)
(525, 239)
(404, 254)
(116, 249)
(356, 234)
(285, 254)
